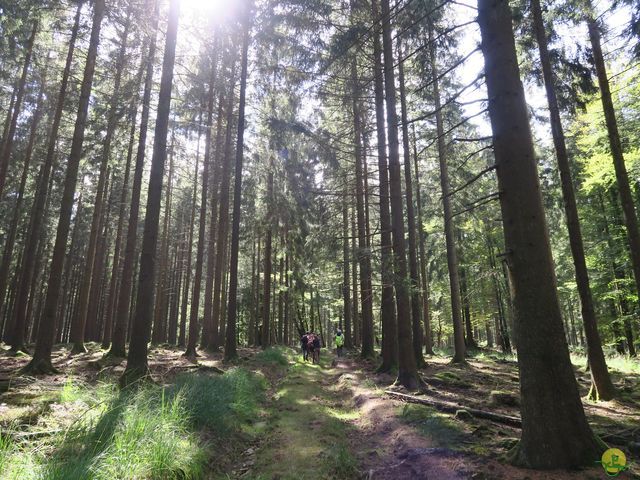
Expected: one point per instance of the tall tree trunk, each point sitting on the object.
(601, 385)
(407, 369)
(137, 366)
(424, 271)
(502, 331)
(552, 412)
(123, 311)
(79, 324)
(256, 332)
(469, 340)
(362, 252)
(10, 241)
(36, 224)
(356, 262)
(95, 314)
(209, 334)
(387, 312)
(230, 343)
(280, 332)
(287, 297)
(252, 316)
(266, 305)
(7, 144)
(159, 330)
(94, 322)
(69, 299)
(176, 286)
(41, 361)
(223, 220)
(187, 281)
(124, 194)
(202, 226)
(416, 304)
(452, 256)
(346, 276)
(617, 269)
(622, 177)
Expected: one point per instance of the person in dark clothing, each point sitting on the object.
(316, 349)
(305, 340)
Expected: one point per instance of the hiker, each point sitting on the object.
(315, 348)
(339, 341)
(305, 341)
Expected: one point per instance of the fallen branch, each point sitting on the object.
(204, 368)
(449, 407)
(36, 433)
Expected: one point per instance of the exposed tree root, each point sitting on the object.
(449, 407)
(15, 350)
(78, 348)
(39, 367)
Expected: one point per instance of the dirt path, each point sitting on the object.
(331, 421)
(308, 433)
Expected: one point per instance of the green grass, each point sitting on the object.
(310, 427)
(620, 363)
(274, 355)
(152, 433)
(444, 431)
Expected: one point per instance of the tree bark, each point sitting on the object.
(266, 299)
(79, 323)
(123, 311)
(187, 281)
(223, 220)
(116, 279)
(10, 241)
(363, 252)
(356, 261)
(7, 144)
(387, 312)
(452, 256)
(209, 333)
(424, 271)
(601, 385)
(416, 304)
(36, 224)
(407, 369)
(552, 412)
(41, 361)
(622, 177)
(346, 276)
(230, 340)
(137, 366)
(202, 226)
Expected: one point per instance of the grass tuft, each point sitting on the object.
(274, 355)
(151, 433)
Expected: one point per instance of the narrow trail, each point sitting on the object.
(331, 421)
(328, 421)
(309, 426)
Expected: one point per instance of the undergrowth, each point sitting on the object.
(152, 433)
(274, 355)
(439, 427)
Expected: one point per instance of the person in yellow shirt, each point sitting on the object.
(339, 341)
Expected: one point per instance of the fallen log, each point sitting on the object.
(449, 407)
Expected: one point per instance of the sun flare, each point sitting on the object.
(208, 7)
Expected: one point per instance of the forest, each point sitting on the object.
(444, 192)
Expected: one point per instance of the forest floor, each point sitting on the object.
(295, 421)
